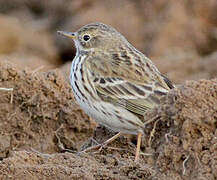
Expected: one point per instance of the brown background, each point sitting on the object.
(42, 119)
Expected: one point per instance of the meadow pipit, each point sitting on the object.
(112, 81)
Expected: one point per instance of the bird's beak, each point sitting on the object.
(67, 34)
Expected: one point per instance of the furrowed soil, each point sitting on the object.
(42, 129)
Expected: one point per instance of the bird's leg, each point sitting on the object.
(104, 143)
(139, 137)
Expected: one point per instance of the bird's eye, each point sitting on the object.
(86, 37)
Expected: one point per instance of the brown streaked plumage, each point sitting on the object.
(113, 82)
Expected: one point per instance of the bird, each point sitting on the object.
(113, 82)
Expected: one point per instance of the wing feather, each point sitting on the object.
(127, 95)
(130, 81)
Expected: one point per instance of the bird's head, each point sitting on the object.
(95, 36)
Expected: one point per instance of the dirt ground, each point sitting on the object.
(43, 130)
(40, 121)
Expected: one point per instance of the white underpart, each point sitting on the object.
(95, 109)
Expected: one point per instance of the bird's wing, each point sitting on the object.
(133, 84)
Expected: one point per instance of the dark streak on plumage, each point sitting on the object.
(111, 90)
(115, 73)
(147, 88)
(75, 75)
(91, 85)
(120, 119)
(96, 79)
(103, 112)
(118, 90)
(73, 89)
(126, 90)
(116, 57)
(160, 93)
(82, 75)
(109, 80)
(95, 108)
(139, 91)
(102, 81)
(116, 63)
(76, 94)
(80, 90)
(131, 122)
(168, 82)
(88, 91)
(157, 84)
(139, 73)
(128, 62)
(76, 68)
(108, 113)
(117, 112)
(125, 56)
(116, 78)
(108, 91)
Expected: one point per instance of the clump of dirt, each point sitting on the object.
(42, 113)
(188, 131)
(41, 121)
(29, 165)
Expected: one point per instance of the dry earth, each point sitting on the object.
(42, 129)
(40, 121)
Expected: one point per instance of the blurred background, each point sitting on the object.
(179, 36)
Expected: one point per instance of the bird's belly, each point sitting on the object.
(116, 118)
